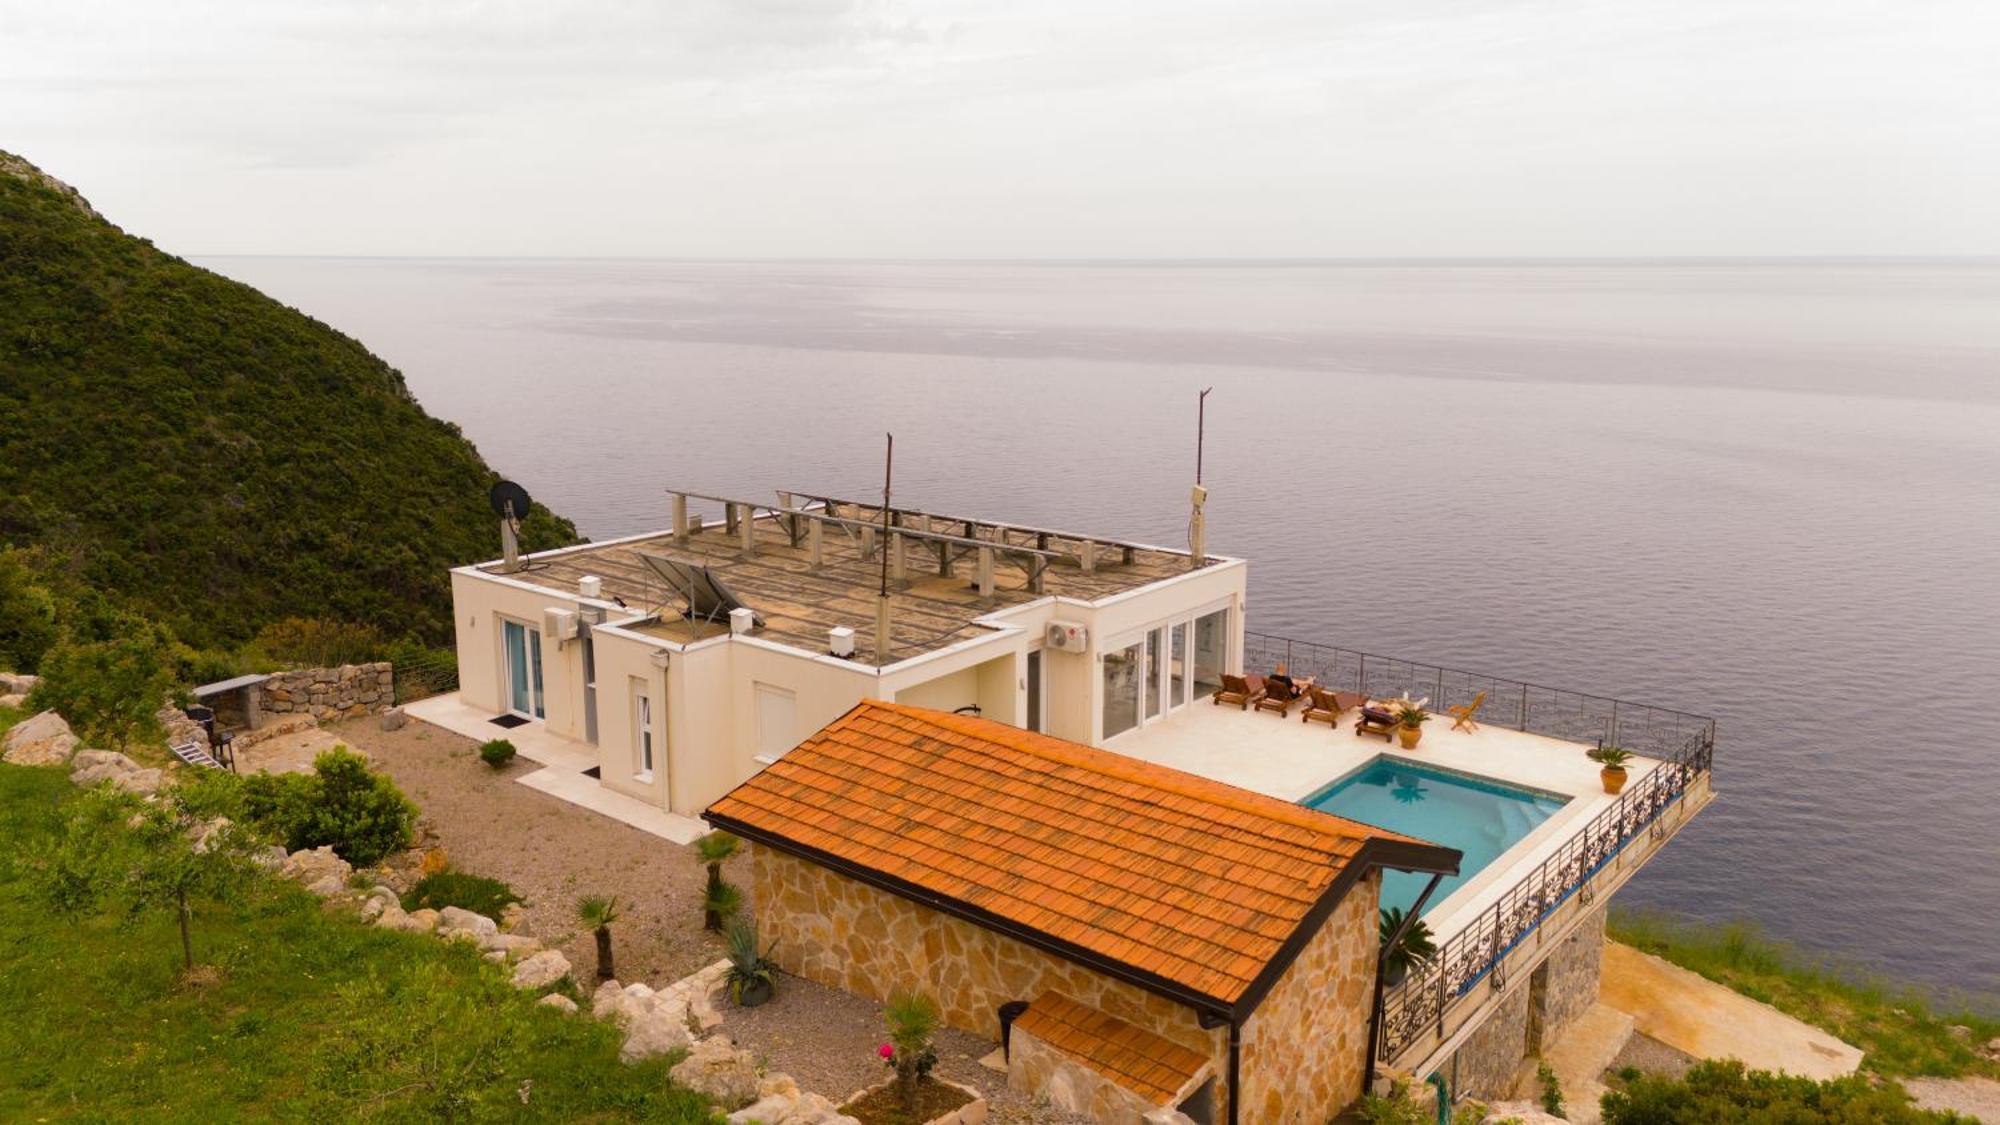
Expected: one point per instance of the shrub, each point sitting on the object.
(27, 615)
(1552, 1091)
(361, 814)
(497, 752)
(317, 642)
(476, 893)
(108, 690)
(1725, 1092)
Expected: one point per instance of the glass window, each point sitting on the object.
(1211, 651)
(1152, 676)
(642, 726)
(1122, 671)
(1035, 690)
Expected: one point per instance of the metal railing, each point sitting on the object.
(1683, 743)
(1479, 951)
(1594, 720)
(424, 677)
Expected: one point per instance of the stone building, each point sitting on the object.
(1183, 949)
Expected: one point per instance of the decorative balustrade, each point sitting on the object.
(1682, 743)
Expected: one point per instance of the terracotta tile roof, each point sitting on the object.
(1181, 879)
(1154, 1068)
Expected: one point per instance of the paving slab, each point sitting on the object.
(1691, 1013)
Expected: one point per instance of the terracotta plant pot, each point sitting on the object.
(1410, 736)
(1613, 778)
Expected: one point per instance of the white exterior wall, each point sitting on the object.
(705, 701)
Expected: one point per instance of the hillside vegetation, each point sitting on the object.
(205, 456)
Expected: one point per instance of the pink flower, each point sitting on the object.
(887, 1051)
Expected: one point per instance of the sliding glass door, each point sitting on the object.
(1150, 675)
(524, 669)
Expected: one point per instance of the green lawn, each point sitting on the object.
(1901, 1033)
(311, 1015)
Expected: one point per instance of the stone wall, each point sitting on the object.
(849, 935)
(330, 694)
(1304, 1052)
(1532, 1014)
(1484, 1067)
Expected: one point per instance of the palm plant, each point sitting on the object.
(1610, 757)
(1402, 953)
(712, 851)
(721, 901)
(597, 913)
(913, 1019)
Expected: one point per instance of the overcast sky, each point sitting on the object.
(1018, 128)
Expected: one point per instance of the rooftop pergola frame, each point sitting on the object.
(945, 542)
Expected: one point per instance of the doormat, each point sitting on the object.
(509, 721)
(594, 771)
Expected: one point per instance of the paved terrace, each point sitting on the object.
(800, 601)
(1287, 758)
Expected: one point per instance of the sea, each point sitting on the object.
(1767, 491)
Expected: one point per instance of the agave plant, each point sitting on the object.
(1413, 948)
(752, 973)
(597, 913)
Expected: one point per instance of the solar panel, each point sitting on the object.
(708, 599)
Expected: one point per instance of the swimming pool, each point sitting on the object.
(1480, 818)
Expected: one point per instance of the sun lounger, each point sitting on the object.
(1240, 690)
(1280, 699)
(1373, 721)
(1325, 707)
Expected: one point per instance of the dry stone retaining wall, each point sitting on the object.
(330, 694)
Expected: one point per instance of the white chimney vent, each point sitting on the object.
(590, 586)
(840, 641)
(740, 621)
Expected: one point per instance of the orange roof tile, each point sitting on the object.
(1156, 1069)
(1194, 883)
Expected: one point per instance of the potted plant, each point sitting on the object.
(1410, 724)
(1413, 948)
(753, 976)
(1613, 759)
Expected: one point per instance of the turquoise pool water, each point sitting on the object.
(1480, 818)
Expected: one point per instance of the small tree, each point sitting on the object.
(912, 1017)
(111, 846)
(597, 913)
(109, 690)
(713, 850)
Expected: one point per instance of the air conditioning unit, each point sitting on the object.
(559, 624)
(1066, 636)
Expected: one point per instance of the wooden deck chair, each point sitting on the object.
(1463, 713)
(1278, 699)
(1240, 690)
(1325, 707)
(1375, 722)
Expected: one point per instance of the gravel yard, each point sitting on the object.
(552, 853)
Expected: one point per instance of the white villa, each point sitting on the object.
(665, 670)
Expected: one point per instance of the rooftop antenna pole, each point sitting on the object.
(882, 603)
(1197, 522)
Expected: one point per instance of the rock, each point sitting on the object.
(323, 873)
(1992, 1048)
(715, 1068)
(270, 857)
(392, 917)
(1960, 1032)
(454, 920)
(85, 759)
(558, 1001)
(494, 957)
(16, 700)
(43, 740)
(653, 1033)
(541, 970)
(765, 1111)
(142, 782)
(205, 835)
(604, 1002)
(18, 683)
(425, 919)
(779, 1085)
(511, 946)
(394, 719)
(372, 909)
(511, 915)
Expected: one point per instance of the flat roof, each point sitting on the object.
(1188, 887)
(801, 602)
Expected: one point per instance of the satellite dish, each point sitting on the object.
(505, 493)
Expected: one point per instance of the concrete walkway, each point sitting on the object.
(1691, 1013)
(563, 764)
(1579, 1059)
